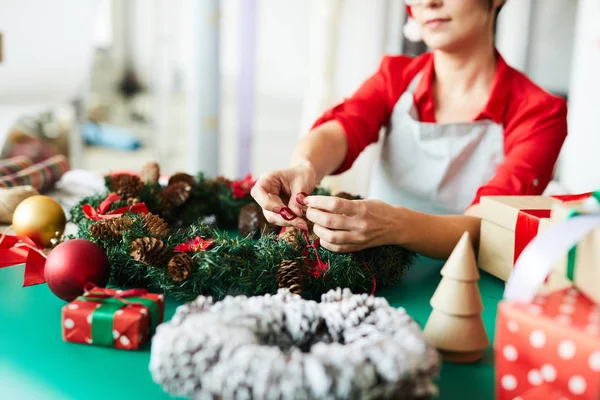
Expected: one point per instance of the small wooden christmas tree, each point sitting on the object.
(455, 326)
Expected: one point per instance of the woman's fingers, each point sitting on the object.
(265, 198)
(329, 219)
(275, 219)
(333, 204)
(336, 239)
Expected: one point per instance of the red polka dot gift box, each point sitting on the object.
(113, 318)
(549, 348)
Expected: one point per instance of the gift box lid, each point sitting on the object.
(504, 210)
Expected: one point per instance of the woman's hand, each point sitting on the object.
(346, 226)
(275, 190)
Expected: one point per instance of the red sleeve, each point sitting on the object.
(533, 140)
(368, 109)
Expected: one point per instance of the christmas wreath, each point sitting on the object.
(181, 239)
(347, 346)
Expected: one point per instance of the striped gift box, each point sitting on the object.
(41, 176)
(13, 165)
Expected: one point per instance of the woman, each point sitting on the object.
(461, 124)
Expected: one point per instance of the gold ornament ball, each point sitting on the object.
(41, 219)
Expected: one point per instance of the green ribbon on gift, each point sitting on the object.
(103, 317)
(572, 255)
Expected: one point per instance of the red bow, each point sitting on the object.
(16, 250)
(241, 188)
(194, 245)
(103, 213)
(92, 290)
(319, 267)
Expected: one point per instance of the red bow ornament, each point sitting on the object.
(103, 213)
(16, 250)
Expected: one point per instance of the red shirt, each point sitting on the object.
(534, 121)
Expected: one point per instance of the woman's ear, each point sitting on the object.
(498, 3)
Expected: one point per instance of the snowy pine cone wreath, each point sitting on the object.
(284, 347)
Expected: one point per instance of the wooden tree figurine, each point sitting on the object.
(455, 326)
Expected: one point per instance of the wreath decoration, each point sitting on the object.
(182, 239)
(348, 346)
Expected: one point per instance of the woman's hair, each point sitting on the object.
(491, 4)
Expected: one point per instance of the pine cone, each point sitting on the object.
(133, 201)
(150, 173)
(290, 237)
(150, 251)
(110, 228)
(290, 275)
(181, 177)
(180, 267)
(252, 221)
(220, 180)
(175, 195)
(155, 225)
(126, 186)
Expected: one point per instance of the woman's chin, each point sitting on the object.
(442, 43)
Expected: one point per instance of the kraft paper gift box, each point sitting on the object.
(508, 224)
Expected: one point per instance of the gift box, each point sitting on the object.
(548, 348)
(113, 318)
(509, 223)
(581, 265)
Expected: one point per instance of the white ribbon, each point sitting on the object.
(541, 255)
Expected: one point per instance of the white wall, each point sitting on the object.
(552, 35)
(536, 36)
(579, 169)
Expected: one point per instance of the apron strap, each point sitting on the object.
(414, 83)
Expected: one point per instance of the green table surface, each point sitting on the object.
(35, 363)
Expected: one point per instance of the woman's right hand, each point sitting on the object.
(275, 190)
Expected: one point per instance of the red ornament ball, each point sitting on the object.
(74, 263)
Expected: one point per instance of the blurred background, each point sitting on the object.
(228, 87)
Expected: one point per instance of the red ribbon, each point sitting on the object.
(528, 222)
(572, 198)
(103, 213)
(319, 267)
(91, 290)
(16, 250)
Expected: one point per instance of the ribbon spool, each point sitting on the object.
(10, 198)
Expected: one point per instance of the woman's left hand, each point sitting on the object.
(345, 226)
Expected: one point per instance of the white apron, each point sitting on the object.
(434, 168)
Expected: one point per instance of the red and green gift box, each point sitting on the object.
(113, 318)
(548, 348)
